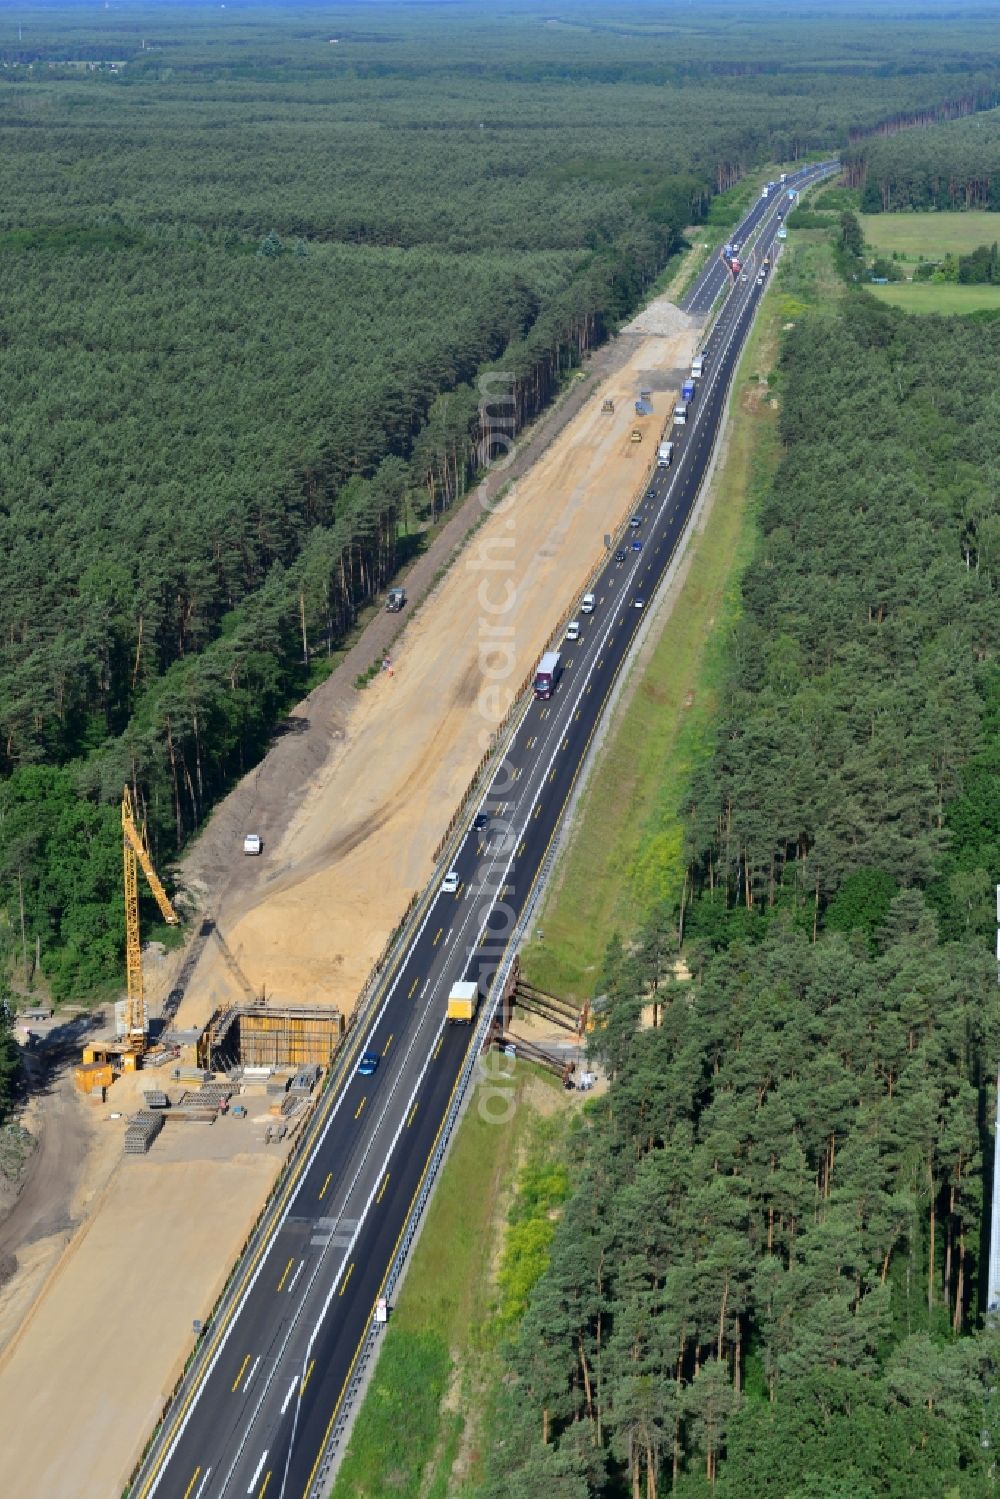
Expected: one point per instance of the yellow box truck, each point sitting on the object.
(463, 1002)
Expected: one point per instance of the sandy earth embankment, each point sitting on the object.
(351, 832)
(360, 841)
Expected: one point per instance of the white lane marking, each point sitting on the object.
(307, 1166)
(253, 1371)
(485, 913)
(335, 1282)
(201, 1486)
(298, 1272)
(321, 1260)
(291, 1391)
(260, 1468)
(321, 1138)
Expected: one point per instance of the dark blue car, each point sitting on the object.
(368, 1064)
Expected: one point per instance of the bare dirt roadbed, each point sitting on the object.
(84, 1383)
(357, 838)
(352, 808)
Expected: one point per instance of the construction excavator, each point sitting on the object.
(125, 1055)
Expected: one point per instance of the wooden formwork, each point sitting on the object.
(270, 1035)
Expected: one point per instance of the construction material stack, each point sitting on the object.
(142, 1130)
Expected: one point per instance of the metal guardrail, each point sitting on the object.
(359, 1372)
(406, 1239)
(361, 1014)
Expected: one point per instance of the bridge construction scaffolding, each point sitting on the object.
(265, 1034)
(562, 1013)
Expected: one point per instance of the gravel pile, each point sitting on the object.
(662, 318)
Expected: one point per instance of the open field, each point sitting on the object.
(947, 298)
(929, 234)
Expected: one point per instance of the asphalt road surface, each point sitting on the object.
(270, 1376)
(714, 277)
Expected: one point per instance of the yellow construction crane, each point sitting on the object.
(102, 1061)
(134, 853)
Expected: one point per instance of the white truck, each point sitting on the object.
(664, 455)
(463, 1002)
(681, 414)
(697, 366)
(252, 843)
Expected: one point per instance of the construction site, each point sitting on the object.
(189, 1100)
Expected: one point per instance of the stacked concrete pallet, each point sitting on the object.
(141, 1130)
(208, 1096)
(201, 1105)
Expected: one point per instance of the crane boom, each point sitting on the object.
(133, 854)
(135, 839)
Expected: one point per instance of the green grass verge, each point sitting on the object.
(626, 848)
(407, 1434)
(420, 1431)
(931, 235)
(946, 298)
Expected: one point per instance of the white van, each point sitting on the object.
(587, 604)
(573, 630)
(665, 455)
(697, 366)
(252, 843)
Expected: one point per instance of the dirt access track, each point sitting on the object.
(351, 806)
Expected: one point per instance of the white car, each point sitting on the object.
(451, 882)
(587, 604)
(573, 630)
(252, 843)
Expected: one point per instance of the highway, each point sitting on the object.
(715, 275)
(269, 1379)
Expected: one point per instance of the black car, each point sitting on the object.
(480, 820)
(619, 556)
